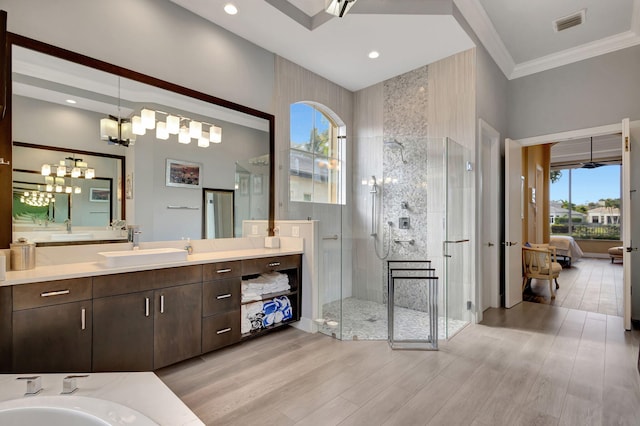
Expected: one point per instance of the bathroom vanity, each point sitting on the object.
(133, 318)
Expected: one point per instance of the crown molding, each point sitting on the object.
(480, 23)
(585, 51)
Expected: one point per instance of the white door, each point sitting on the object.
(513, 217)
(489, 217)
(630, 205)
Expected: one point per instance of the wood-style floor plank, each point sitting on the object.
(533, 364)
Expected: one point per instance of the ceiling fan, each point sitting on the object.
(591, 164)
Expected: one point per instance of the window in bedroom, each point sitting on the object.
(585, 202)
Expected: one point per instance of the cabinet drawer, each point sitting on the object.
(215, 271)
(48, 293)
(177, 276)
(269, 264)
(220, 296)
(131, 282)
(220, 330)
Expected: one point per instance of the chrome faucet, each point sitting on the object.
(34, 384)
(68, 223)
(133, 232)
(70, 385)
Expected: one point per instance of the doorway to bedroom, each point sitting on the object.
(584, 220)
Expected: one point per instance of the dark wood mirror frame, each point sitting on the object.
(9, 39)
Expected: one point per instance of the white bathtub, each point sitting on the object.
(69, 411)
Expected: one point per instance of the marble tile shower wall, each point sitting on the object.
(405, 191)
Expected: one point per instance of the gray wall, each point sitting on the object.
(594, 92)
(155, 37)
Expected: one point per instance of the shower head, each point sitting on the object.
(374, 187)
(394, 145)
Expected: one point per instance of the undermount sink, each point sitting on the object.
(69, 411)
(143, 257)
(72, 237)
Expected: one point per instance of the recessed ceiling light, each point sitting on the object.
(230, 9)
(71, 101)
(374, 54)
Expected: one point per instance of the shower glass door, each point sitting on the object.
(456, 245)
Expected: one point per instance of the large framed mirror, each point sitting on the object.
(70, 106)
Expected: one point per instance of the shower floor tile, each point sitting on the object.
(366, 320)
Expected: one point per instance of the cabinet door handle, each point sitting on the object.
(224, 330)
(224, 296)
(83, 318)
(54, 293)
(162, 303)
(223, 271)
(272, 264)
(146, 306)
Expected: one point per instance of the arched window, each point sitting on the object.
(316, 171)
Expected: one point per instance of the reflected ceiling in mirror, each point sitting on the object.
(61, 103)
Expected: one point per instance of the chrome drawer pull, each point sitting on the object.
(222, 271)
(55, 293)
(162, 304)
(146, 306)
(224, 330)
(274, 264)
(223, 296)
(83, 318)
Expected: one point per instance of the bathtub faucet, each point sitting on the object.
(69, 383)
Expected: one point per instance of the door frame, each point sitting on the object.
(489, 196)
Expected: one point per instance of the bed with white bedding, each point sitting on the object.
(566, 247)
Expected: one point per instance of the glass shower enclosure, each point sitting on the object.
(416, 207)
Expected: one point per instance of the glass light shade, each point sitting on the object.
(161, 131)
(183, 136)
(137, 127)
(49, 188)
(173, 124)
(68, 189)
(61, 171)
(75, 172)
(195, 129)
(53, 200)
(45, 170)
(126, 132)
(58, 188)
(148, 118)
(26, 193)
(203, 142)
(216, 134)
(108, 129)
(77, 190)
(59, 181)
(89, 173)
(83, 164)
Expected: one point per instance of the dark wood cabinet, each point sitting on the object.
(136, 321)
(178, 324)
(123, 332)
(54, 338)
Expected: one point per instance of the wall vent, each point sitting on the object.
(570, 21)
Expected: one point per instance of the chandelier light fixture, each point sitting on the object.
(186, 128)
(37, 198)
(72, 167)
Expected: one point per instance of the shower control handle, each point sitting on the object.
(509, 243)
(490, 244)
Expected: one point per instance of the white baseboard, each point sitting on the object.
(306, 324)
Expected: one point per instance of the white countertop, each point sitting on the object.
(143, 392)
(96, 268)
